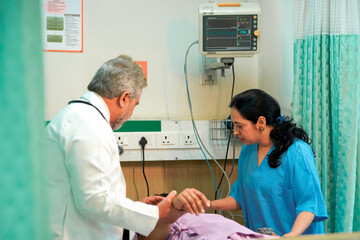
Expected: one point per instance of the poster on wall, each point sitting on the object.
(62, 25)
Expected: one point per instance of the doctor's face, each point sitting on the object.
(244, 129)
(127, 113)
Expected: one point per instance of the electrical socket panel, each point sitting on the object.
(167, 140)
(150, 138)
(130, 141)
(188, 140)
(123, 139)
(157, 140)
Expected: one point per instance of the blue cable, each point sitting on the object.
(207, 161)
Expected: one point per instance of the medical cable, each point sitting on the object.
(229, 139)
(190, 107)
(232, 167)
(232, 95)
(222, 176)
(197, 136)
(194, 125)
(134, 183)
(143, 142)
(233, 85)
(235, 215)
(233, 157)
(90, 104)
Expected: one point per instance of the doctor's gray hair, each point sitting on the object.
(117, 76)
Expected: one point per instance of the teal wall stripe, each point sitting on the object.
(141, 126)
(137, 126)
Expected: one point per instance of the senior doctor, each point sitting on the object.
(86, 186)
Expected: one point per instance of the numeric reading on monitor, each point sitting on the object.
(230, 33)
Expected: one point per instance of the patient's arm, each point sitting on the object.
(167, 215)
(225, 204)
(189, 200)
(160, 232)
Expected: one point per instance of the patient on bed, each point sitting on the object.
(203, 227)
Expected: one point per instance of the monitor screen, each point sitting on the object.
(229, 33)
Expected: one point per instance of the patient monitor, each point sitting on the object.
(229, 29)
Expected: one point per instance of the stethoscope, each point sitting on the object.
(121, 148)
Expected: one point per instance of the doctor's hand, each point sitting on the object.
(167, 213)
(191, 200)
(152, 200)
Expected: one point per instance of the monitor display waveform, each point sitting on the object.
(229, 33)
(222, 33)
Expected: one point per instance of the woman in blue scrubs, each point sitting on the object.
(278, 185)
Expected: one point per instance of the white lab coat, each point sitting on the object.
(87, 189)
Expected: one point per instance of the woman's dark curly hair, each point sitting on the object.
(254, 103)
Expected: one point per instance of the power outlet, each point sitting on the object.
(188, 140)
(130, 141)
(167, 140)
(122, 139)
(150, 138)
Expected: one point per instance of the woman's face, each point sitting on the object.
(245, 130)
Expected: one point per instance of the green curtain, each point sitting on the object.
(23, 211)
(326, 100)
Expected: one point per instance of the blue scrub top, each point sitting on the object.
(273, 197)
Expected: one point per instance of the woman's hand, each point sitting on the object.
(225, 204)
(191, 200)
(302, 222)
